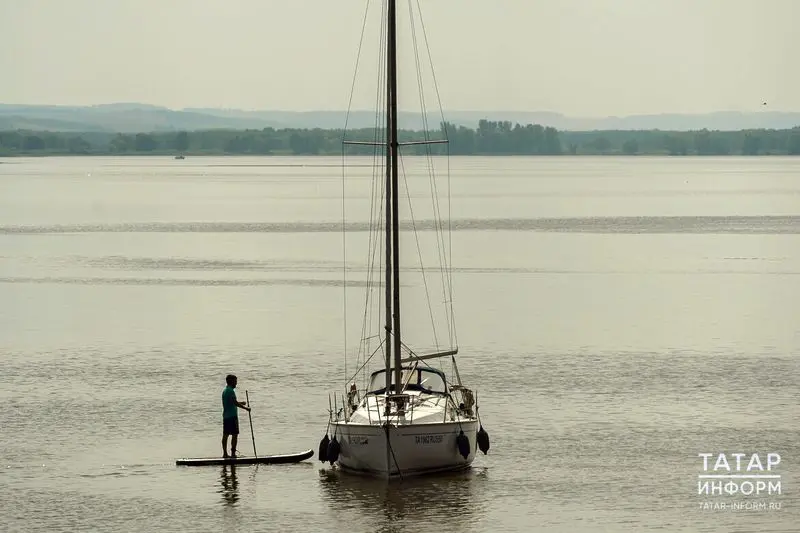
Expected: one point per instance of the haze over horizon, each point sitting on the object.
(589, 58)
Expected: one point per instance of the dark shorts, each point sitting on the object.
(230, 426)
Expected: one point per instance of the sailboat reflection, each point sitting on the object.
(229, 486)
(448, 501)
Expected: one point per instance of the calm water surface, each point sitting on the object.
(617, 317)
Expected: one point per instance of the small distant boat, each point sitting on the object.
(261, 459)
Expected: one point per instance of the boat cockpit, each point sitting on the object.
(427, 380)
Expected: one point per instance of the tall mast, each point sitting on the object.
(393, 151)
(388, 223)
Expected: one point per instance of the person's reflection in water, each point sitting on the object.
(229, 486)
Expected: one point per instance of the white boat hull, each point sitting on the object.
(412, 449)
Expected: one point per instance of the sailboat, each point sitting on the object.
(409, 417)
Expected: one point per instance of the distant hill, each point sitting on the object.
(723, 120)
(124, 118)
(135, 117)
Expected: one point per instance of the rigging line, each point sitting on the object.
(344, 265)
(443, 262)
(374, 228)
(425, 126)
(439, 235)
(453, 332)
(370, 260)
(371, 257)
(344, 219)
(444, 266)
(420, 85)
(430, 60)
(379, 165)
(373, 231)
(449, 199)
(367, 360)
(381, 76)
(355, 70)
(419, 254)
(376, 210)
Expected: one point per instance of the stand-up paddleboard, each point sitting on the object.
(258, 460)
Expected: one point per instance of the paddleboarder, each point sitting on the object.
(230, 416)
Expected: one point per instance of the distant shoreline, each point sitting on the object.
(489, 138)
(171, 156)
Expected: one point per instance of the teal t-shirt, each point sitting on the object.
(229, 409)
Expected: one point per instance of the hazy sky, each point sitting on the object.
(578, 57)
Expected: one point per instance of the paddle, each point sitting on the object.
(255, 453)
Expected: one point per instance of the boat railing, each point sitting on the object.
(460, 400)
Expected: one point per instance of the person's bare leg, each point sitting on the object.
(225, 444)
(234, 440)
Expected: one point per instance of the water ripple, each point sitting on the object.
(788, 224)
(183, 282)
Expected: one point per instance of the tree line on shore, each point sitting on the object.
(488, 138)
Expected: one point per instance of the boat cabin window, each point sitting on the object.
(413, 379)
